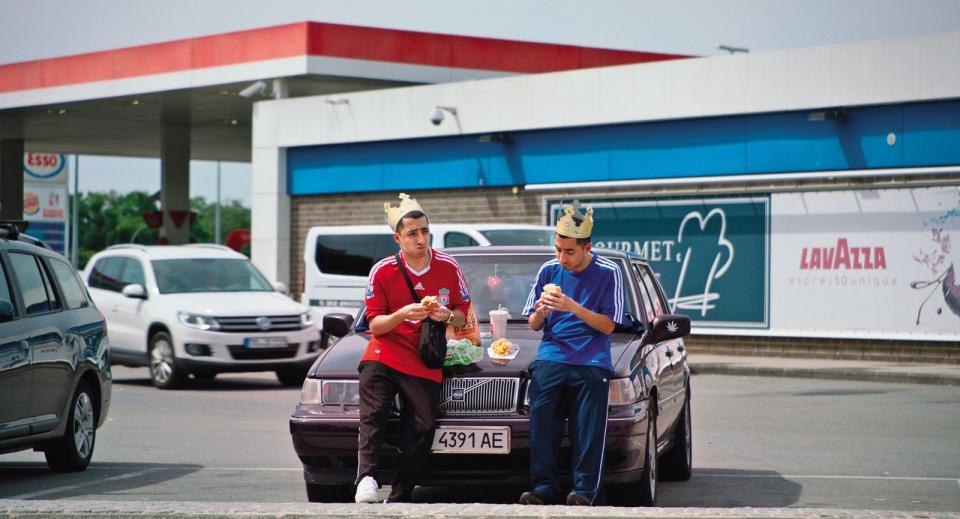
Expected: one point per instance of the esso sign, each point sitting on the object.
(42, 166)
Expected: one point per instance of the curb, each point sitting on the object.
(173, 509)
(860, 374)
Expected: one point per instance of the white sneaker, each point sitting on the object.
(368, 491)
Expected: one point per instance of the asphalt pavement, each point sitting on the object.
(701, 363)
(870, 371)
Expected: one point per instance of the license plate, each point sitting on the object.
(471, 440)
(265, 342)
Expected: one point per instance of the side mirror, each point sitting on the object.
(337, 325)
(135, 291)
(280, 287)
(669, 326)
(334, 325)
(6, 311)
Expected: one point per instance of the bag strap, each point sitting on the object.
(406, 277)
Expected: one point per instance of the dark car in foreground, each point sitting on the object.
(54, 358)
(482, 434)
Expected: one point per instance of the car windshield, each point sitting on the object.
(519, 236)
(177, 276)
(505, 281)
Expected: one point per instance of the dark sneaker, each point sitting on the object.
(533, 497)
(575, 499)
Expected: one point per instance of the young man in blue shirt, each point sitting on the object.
(573, 364)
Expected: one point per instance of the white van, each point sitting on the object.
(338, 259)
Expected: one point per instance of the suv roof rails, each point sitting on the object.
(128, 246)
(211, 246)
(13, 230)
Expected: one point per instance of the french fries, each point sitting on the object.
(501, 347)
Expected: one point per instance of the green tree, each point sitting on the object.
(111, 218)
(233, 215)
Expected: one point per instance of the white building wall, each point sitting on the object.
(859, 74)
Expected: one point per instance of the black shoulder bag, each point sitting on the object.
(433, 334)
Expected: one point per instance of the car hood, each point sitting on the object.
(225, 304)
(341, 359)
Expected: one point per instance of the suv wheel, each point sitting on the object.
(292, 376)
(72, 451)
(163, 363)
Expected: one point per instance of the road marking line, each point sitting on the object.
(804, 476)
(47, 491)
(116, 466)
(253, 469)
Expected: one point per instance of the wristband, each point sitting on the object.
(450, 318)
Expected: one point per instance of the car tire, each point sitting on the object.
(329, 493)
(163, 363)
(677, 463)
(292, 376)
(73, 451)
(628, 494)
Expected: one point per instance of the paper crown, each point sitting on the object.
(394, 214)
(573, 223)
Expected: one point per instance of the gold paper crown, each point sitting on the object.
(573, 223)
(394, 214)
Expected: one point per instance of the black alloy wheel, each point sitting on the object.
(73, 451)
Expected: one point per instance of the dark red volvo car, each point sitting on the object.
(482, 434)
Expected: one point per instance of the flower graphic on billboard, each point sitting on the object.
(942, 265)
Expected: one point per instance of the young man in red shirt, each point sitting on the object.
(391, 364)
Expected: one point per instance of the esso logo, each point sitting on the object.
(31, 203)
(43, 165)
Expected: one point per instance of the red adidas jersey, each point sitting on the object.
(387, 292)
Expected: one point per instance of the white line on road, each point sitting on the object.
(115, 466)
(66, 488)
(804, 476)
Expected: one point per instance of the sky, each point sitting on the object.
(35, 29)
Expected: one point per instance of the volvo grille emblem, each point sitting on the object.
(457, 395)
(263, 323)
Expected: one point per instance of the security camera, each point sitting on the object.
(436, 116)
(257, 89)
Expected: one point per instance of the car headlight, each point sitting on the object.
(310, 392)
(330, 392)
(200, 322)
(622, 392)
(306, 319)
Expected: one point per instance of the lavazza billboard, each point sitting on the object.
(880, 264)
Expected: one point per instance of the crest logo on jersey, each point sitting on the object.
(444, 297)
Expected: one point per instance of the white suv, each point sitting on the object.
(201, 310)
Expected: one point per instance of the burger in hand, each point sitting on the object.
(430, 303)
